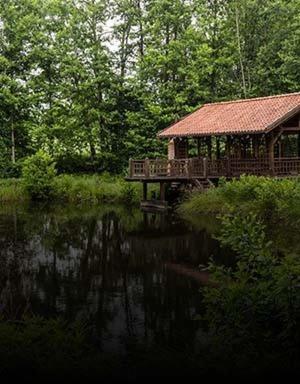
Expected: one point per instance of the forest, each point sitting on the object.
(91, 82)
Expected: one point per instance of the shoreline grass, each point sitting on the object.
(268, 197)
(12, 190)
(77, 189)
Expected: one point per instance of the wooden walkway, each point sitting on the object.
(160, 170)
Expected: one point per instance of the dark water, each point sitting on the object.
(133, 277)
(126, 271)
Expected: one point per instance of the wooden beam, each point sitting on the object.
(272, 138)
(198, 146)
(228, 146)
(255, 146)
(290, 129)
(162, 191)
(218, 147)
(208, 143)
(145, 190)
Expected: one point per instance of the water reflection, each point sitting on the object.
(107, 265)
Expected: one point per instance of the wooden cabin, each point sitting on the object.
(259, 136)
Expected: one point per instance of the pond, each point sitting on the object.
(133, 277)
(121, 267)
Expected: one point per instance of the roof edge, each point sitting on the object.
(270, 127)
(253, 99)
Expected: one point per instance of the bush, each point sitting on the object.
(268, 197)
(38, 175)
(129, 194)
(96, 188)
(254, 308)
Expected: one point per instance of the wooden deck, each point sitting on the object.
(160, 170)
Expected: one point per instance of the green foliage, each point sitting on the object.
(92, 104)
(268, 197)
(129, 193)
(255, 305)
(104, 188)
(38, 175)
(12, 190)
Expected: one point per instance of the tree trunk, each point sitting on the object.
(13, 144)
(240, 50)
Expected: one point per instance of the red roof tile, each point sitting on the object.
(236, 117)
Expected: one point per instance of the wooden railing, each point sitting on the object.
(203, 168)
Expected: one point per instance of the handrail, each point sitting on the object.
(204, 167)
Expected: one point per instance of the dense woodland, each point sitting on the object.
(92, 81)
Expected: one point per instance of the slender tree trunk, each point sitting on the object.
(13, 144)
(141, 29)
(240, 50)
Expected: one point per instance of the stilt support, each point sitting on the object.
(145, 189)
(162, 192)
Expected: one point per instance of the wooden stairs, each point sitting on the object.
(203, 184)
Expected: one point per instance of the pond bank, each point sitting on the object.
(77, 189)
(264, 196)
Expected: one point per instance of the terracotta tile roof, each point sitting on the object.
(236, 117)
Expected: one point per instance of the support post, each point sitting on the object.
(130, 167)
(147, 167)
(198, 147)
(162, 191)
(228, 146)
(228, 164)
(271, 154)
(205, 167)
(218, 147)
(255, 147)
(145, 185)
(272, 141)
(208, 142)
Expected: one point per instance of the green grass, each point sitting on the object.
(95, 189)
(79, 189)
(267, 197)
(12, 190)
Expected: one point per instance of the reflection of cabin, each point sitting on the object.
(257, 136)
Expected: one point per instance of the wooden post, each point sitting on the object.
(218, 147)
(171, 149)
(228, 167)
(270, 147)
(198, 146)
(187, 167)
(145, 190)
(271, 141)
(147, 167)
(255, 146)
(208, 143)
(205, 167)
(228, 146)
(130, 167)
(162, 191)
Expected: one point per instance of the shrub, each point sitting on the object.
(129, 194)
(268, 197)
(255, 306)
(38, 175)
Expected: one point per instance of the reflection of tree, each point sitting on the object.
(15, 267)
(93, 263)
